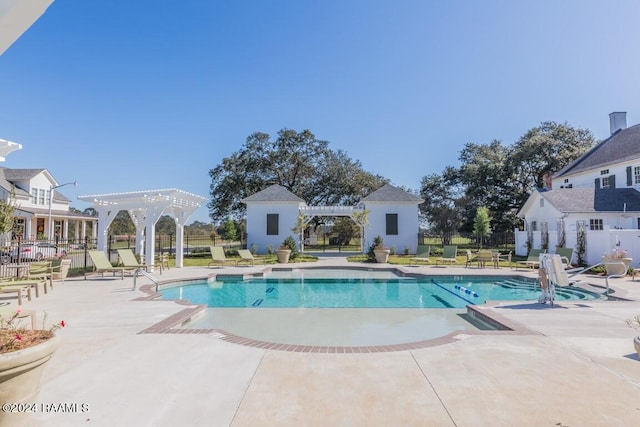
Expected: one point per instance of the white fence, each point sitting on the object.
(597, 243)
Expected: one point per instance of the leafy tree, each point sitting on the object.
(441, 196)
(481, 224)
(122, 224)
(345, 230)
(166, 224)
(7, 215)
(229, 230)
(299, 162)
(90, 212)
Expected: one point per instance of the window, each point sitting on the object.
(34, 196)
(595, 224)
(41, 197)
(534, 226)
(604, 172)
(605, 182)
(392, 224)
(566, 180)
(636, 175)
(272, 224)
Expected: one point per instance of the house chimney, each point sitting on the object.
(617, 121)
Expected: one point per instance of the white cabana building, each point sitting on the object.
(274, 213)
(145, 208)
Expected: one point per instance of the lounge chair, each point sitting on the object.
(533, 259)
(21, 288)
(449, 253)
(245, 256)
(566, 254)
(422, 253)
(128, 259)
(218, 256)
(103, 265)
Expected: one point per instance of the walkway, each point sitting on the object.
(576, 367)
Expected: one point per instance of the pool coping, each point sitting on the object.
(172, 324)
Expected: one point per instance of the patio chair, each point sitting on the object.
(218, 256)
(449, 253)
(470, 257)
(102, 265)
(484, 256)
(41, 271)
(128, 259)
(245, 256)
(533, 259)
(566, 254)
(60, 269)
(422, 253)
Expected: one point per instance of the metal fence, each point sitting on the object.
(497, 240)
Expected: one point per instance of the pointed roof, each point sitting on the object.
(622, 145)
(389, 193)
(274, 193)
(585, 200)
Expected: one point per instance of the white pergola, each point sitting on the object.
(145, 208)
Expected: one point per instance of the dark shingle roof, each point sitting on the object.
(275, 193)
(389, 193)
(621, 146)
(594, 200)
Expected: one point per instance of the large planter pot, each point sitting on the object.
(20, 375)
(382, 255)
(636, 344)
(615, 264)
(283, 255)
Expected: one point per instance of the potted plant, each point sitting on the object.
(23, 353)
(378, 251)
(287, 251)
(635, 324)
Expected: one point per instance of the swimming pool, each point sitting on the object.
(321, 288)
(319, 306)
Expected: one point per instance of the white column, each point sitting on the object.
(105, 218)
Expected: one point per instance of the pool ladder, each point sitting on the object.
(140, 271)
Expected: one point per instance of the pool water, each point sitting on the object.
(357, 290)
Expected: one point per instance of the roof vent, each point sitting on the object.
(617, 121)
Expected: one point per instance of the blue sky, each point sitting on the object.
(125, 95)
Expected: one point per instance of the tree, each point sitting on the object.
(166, 224)
(7, 215)
(440, 194)
(299, 162)
(481, 224)
(229, 230)
(90, 212)
(122, 224)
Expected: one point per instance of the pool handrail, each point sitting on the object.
(144, 273)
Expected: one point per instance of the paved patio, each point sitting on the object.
(573, 366)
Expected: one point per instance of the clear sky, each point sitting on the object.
(128, 95)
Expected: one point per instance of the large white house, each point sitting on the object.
(30, 191)
(598, 194)
(274, 213)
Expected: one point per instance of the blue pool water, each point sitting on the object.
(325, 290)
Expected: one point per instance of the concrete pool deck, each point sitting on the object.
(575, 366)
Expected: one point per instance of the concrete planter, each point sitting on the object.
(20, 375)
(382, 255)
(283, 255)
